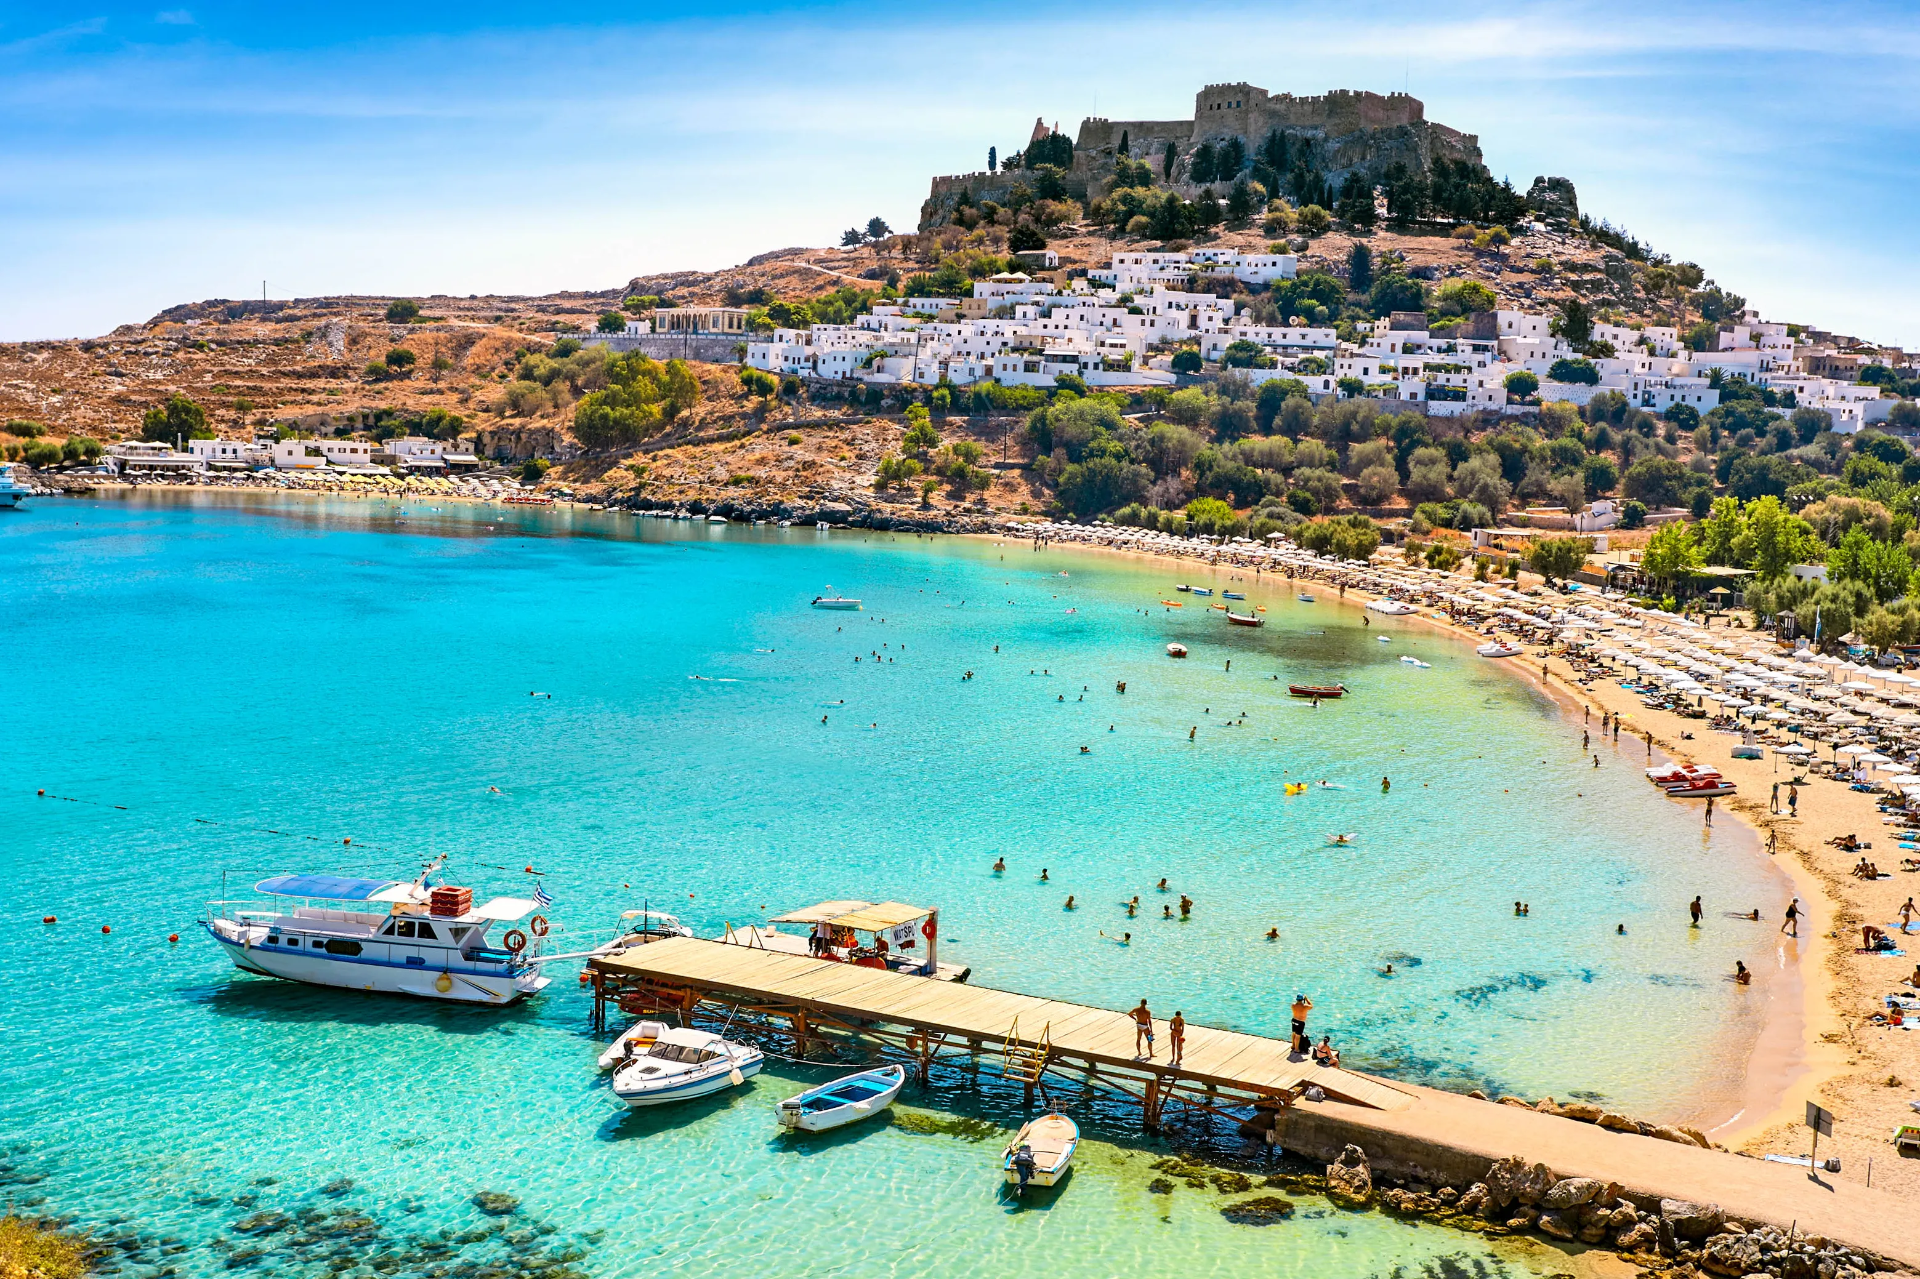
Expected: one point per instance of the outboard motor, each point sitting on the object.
(1023, 1165)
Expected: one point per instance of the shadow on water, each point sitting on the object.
(789, 1141)
(629, 1124)
(1034, 1198)
(290, 1003)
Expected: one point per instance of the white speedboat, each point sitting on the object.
(1414, 661)
(846, 1100)
(12, 492)
(1040, 1152)
(1499, 649)
(682, 1064)
(834, 601)
(430, 942)
(1391, 607)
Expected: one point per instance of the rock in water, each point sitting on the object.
(496, 1203)
(1263, 1211)
(1350, 1178)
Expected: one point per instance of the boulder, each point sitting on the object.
(1585, 1111)
(1552, 1223)
(1618, 1122)
(1513, 1180)
(1554, 199)
(1731, 1255)
(1523, 1218)
(1593, 1234)
(1475, 1196)
(1691, 1220)
(1681, 1135)
(1639, 1237)
(1571, 1193)
(1350, 1178)
(1515, 1101)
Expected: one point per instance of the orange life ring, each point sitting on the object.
(538, 926)
(515, 940)
(927, 930)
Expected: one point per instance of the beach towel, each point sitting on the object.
(1862, 950)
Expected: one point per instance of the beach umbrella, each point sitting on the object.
(1855, 749)
(1841, 719)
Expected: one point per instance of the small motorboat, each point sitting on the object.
(681, 1064)
(716, 519)
(1176, 650)
(1245, 619)
(1232, 595)
(1182, 586)
(1414, 661)
(1173, 603)
(1201, 590)
(1040, 1152)
(1304, 598)
(1221, 607)
(637, 1039)
(834, 601)
(1317, 691)
(846, 1100)
(1384, 639)
(1498, 648)
(1391, 607)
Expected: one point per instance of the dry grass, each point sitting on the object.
(30, 1250)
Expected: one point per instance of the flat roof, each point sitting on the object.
(864, 916)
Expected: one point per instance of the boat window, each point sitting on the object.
(293, 941)
(460, 932)
(681, 1053)
(404, 928)
(336, 946)
(424, 931)
(388, 930)
(273, 941)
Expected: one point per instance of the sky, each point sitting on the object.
(154, 155)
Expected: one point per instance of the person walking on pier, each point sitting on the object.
(1176, 1037)
(1142, 1029)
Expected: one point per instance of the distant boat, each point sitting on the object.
(845, 1100)
(1176, 650)
(1182, 586)
(1414, 661)
(1317, 691)
(716, 519)
(834, 601)
(12, 491)
(1232, 595)
(1393, 608)
(1173, 603)
(1221, 607)
(1201, 590)
(1498, 649)
(1245, 619)
(1040, 1152)
(1304, 598)
(1384, 639)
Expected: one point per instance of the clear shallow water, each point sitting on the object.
(326, 670)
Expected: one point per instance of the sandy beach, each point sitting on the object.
(1816, 1043)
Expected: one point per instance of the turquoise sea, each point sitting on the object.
(189, 674)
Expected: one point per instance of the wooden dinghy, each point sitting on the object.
(1040, 1152)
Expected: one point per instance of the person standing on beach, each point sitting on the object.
(1793, 800)
(1907, 912)
(1773, 804)
(1694, 909)
(1792, 926)
(1709, 810)
(1585, 741)
(1142, 1029)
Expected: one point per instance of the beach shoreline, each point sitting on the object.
(1785, 1047)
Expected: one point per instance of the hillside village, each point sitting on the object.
(1282, 310)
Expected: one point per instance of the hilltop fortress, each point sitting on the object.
(1337, 133)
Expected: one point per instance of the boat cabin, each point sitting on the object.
(894, 936)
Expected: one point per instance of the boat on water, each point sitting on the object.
(1384, 639)
(1391, 607)
(1041, 1152)
(834, 601)
(1201, 590)
(846, 1100)
(1221, 607)
(681, 1064)
(1414, 661)
(430, 942)
(1182, 586)
(638, 927)
(635, 1040)
(1176, 650)
(1232, 595)
(1499, 648)
(1173, 603)
(1304, 598)
(1317, 691)
(716, 519)
(1245, 619)
(13, 493)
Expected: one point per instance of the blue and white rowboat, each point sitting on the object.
(846, 1100)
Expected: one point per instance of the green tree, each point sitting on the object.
(921, 436)
(402, 311)
(1360, 268)
(1102, 483)
(1187, 360)
(1723, 533)
(1574, 323)
(1559, 557)
(1779, 538)
(1314, 220)
(1671, 554)
(641, 394)
(877, 228)
(611, 322)
(1396, 292)
(1464, 297)
(179, 418)
(1882, 567)
(758, 382)
(1521, 383)
(894, 470)
(1577, 372)
(1167, 160)
(399, 359)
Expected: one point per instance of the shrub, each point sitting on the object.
(759, 382)
(41, 454)
(399, 358)
(611, 322)
(1633, 514)
(179, 418)
(1579, 370)
(1313, 220)
(1186, 361)
(79, 448)
(403, 311)
(535, 468)
(790, 386)
(641, 394)
(1521, 383)
(24, 429)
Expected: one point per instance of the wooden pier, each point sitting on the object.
(937, 1023)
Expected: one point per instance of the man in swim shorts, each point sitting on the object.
(1142, 1028)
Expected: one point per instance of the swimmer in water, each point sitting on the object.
(1162, 885)
(1621, 930)
(1043, 874)
(1186, 905)
(999, 865)
(1273, 934)
(1387, 971)
(1166, 912)
(1069, 905)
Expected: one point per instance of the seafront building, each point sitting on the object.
(1120, 326)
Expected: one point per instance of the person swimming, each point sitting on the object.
(1166, 912)
(1273, 934)
(999, 865)
(1069, 905)
(1162, 886)
(1043, 874)
(1387, 971)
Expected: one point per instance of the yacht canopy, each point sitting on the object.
(503, 909)
(336, 888)
(864, 916)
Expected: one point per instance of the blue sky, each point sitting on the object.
(184, 150)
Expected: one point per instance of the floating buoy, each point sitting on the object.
(106, 928)
(48, 919)
(173, 937)
(443, 983)
(583, 977)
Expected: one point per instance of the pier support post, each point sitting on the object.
(800, 1036)
(1150, 1116)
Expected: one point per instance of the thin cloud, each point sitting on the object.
(174, 18)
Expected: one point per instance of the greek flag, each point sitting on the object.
(541, 897)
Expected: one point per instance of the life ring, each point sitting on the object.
(927, 930)
(515, 940)
(538, 926)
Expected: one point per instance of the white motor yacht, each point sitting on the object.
(680, 1064)
(12, 491)
(387, 936)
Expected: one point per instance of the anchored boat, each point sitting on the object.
(1176, 650)
(12, 491)
(1245, 619)
(1041, 1152)
(1499, 648)
(844, 1101)
(1317, 691)
(681, 1064)
(387, 936)
(834, 601)
(1232, 595)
